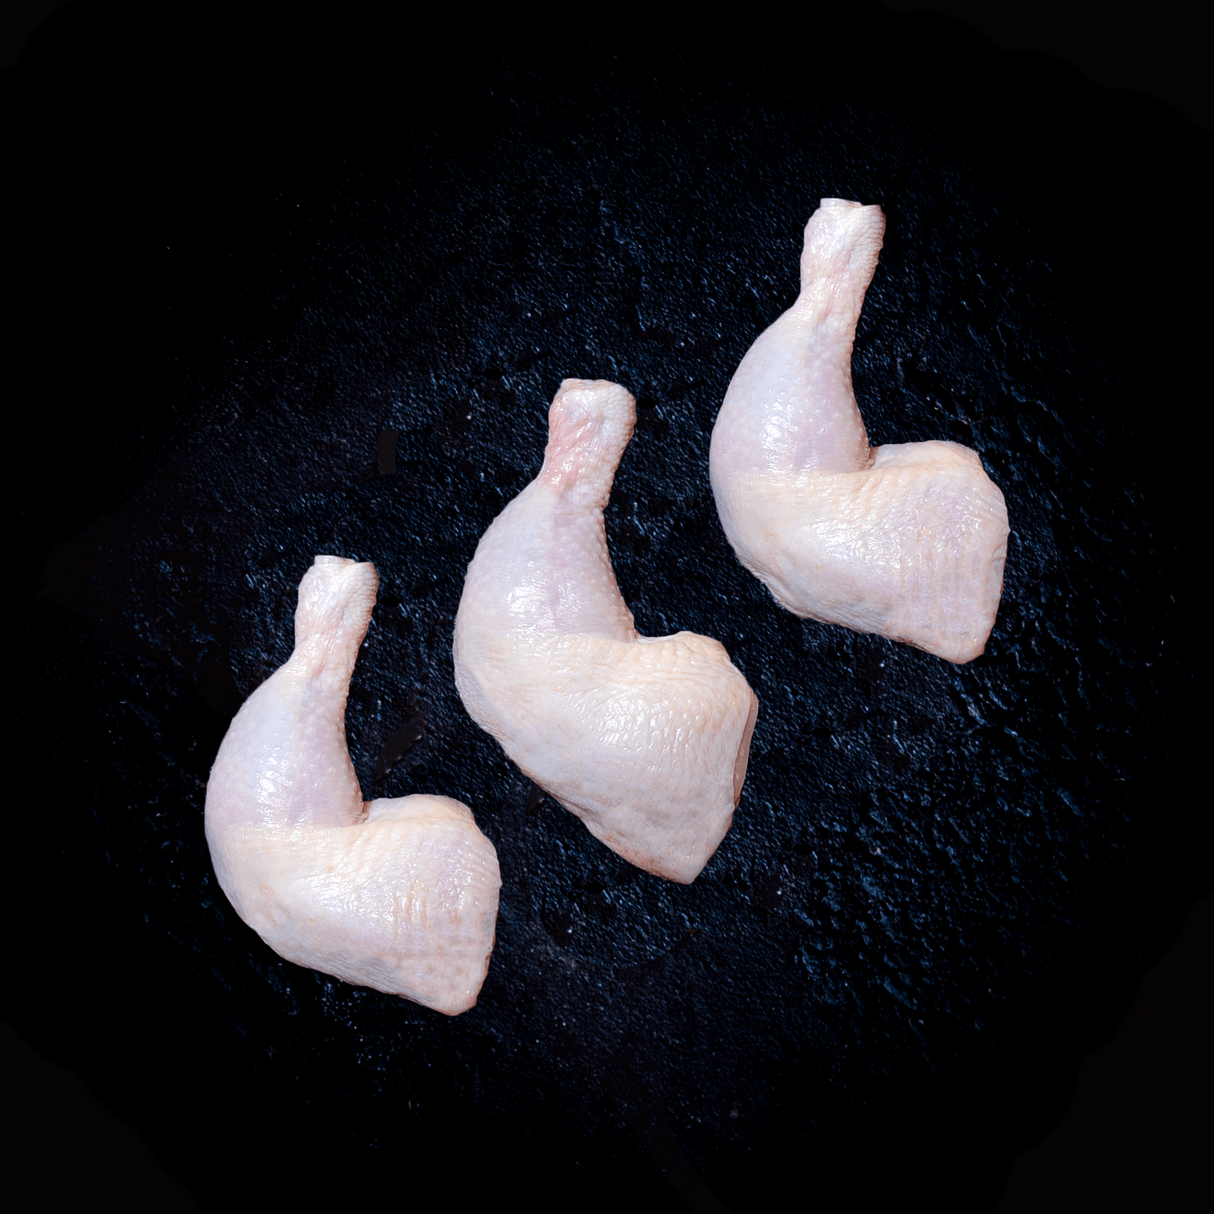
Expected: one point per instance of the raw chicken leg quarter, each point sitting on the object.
(644, 738)
(399, 895)
(906, 540)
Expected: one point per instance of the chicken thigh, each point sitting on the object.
(645, 739)
(397, 894)
(906, 540)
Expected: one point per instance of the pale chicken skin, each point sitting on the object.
(907, 540)
(396, 894)
(645, 739)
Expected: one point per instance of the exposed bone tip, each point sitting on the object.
(597, 386)
(594, 398)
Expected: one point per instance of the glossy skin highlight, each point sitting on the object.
(398, 894)
(646, 739)
(906, 540)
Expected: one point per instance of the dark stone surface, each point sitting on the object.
(287, 294)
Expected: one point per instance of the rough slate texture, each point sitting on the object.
(942, 882)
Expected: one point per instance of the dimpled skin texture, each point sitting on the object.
(645, 739)
(397, 894)
(905, 540)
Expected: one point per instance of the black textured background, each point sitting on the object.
(282, 295)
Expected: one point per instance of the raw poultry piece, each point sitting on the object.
(397, 894)
(644, 738)
(907, 540)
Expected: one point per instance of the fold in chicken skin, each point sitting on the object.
(908, 540)
(396, 894)
(645, 739)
